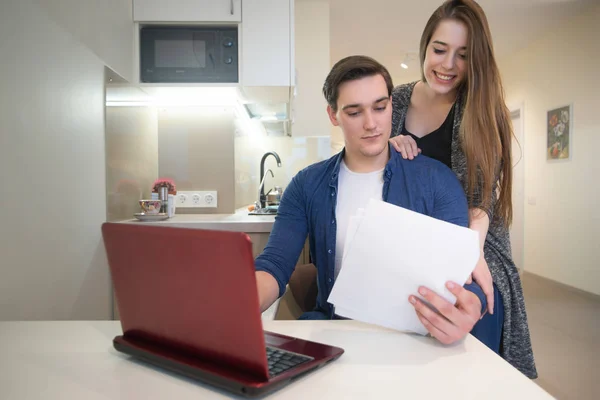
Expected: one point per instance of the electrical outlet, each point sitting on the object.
(197, 199)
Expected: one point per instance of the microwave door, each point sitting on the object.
(178, 55)
(204, 51)
(188, 55)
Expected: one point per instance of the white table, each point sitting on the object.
(75, 360)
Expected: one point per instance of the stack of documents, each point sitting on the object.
(391, 251)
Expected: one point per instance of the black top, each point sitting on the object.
(437, 144)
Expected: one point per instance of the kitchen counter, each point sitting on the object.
(240, 221)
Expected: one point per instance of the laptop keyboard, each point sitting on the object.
(281, 360)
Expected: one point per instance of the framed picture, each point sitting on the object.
(559, 126)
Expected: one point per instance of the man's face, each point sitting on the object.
(365, 116)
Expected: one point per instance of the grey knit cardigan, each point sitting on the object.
(516, 341)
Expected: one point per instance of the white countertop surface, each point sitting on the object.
(240, 221)
(75, 360)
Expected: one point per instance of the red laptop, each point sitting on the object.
(188, 302)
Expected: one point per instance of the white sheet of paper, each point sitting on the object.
(389, 253)
(353, 225)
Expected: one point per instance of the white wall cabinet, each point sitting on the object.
(187, 10)
(267, 43)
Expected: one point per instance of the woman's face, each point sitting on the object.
(445, 58)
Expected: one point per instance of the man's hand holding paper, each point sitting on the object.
(390, 254)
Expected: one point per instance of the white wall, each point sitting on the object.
(52, 171)
(562, 229)
(104, 26)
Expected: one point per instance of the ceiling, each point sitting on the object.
(387, 29)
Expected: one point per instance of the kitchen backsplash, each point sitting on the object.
(131, 136)
(295, 154)
(195, 149)
(200, 148)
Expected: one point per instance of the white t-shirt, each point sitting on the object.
(354, 191)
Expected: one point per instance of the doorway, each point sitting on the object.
(517, 229)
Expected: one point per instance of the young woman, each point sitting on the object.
(456, 114)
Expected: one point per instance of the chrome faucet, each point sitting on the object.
(261, 195)
(261, 187)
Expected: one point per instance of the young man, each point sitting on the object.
(321, 198)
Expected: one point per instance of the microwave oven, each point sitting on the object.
(189, 54)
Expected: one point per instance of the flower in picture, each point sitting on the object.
(553, 120)
(555, 149)
(559, 129)
(564, 116)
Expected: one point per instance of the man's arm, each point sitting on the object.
(275, 264)
(474, 288)
(450, 202)
(268, 289)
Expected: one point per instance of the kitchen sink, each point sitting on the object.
(264, 211)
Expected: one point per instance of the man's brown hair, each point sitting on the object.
(349, 69)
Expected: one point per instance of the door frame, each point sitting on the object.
(519, 107)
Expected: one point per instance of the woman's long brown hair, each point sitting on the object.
(486, 129)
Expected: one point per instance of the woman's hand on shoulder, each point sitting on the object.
(406, 146)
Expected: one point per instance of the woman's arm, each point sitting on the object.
(480, 222)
